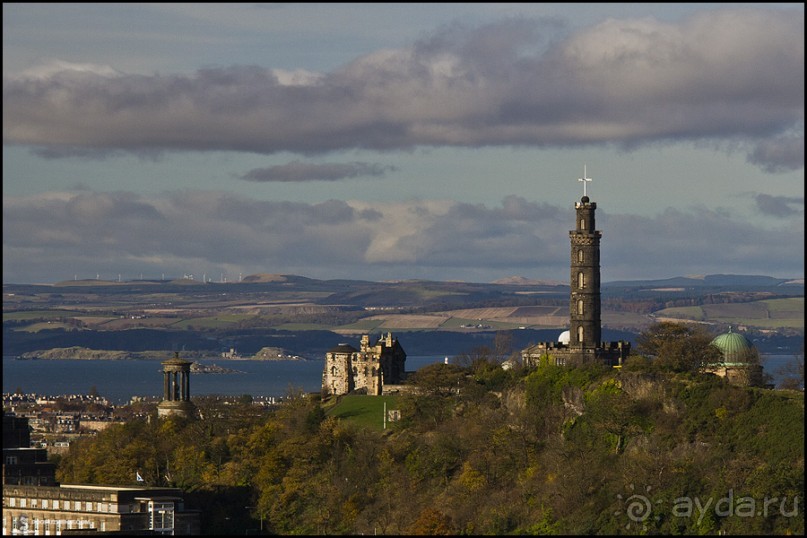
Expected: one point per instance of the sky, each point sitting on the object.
(400, 141)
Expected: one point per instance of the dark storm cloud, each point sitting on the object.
(731, 74)
(297, 171)
(51, 237)
(779, 155)
(779, 206)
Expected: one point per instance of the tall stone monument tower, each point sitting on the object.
(176, 389)
(585, 328)
(585, 316)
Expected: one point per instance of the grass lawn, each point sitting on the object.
(363, 410)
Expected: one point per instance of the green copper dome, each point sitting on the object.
(735, 347)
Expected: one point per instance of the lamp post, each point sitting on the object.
(260, 515)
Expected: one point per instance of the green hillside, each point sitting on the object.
(365, 411)
(766, 314)
(482, 450)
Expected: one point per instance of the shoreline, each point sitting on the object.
(83, 354)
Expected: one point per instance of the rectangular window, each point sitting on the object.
(162, 517)
(77, 505)
(23, 503)
(55, 504)
(11, 460)
(44, 503)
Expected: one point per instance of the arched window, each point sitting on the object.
(580, 256)
(580, 307)
(580, 334)
(582, 224)
(581, 280)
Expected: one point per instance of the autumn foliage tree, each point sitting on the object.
(678, 347)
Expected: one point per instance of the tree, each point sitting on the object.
(432, 522)
(793, 372)
(678, 347)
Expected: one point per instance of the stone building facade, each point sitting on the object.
(34, 503)
(368, 368)
(23, 465)
(58, 510)
(585, 318)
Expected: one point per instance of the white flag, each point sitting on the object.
(139, 478)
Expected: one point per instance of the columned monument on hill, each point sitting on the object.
(176, 389)
(583, 343)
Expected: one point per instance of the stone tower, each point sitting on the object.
(176, 389)
(585, 325)
(585, 317)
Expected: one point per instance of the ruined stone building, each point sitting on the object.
(368, 368)
(583, 342)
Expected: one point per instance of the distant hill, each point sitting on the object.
(701, 281)
(264, 277)
(521, 281)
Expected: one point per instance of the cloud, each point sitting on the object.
(778, 206)
(730, 74)
(56, 67)
(50, 237)
(780, 154)
(297, 171)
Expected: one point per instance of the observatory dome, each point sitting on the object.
(735, 346)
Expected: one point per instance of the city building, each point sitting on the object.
(54, 510)
(369, 368)
(35, 504)
(23, 465)
(583, 342)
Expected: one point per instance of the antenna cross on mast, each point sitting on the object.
(585, 180)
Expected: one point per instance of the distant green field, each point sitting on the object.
(457, 323)
(42, 326)
(364, 410)
(368, 325)
(301, 327)
(39, 314)
(212, 322)
(768, 314)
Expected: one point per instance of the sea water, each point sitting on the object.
(119, 380)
